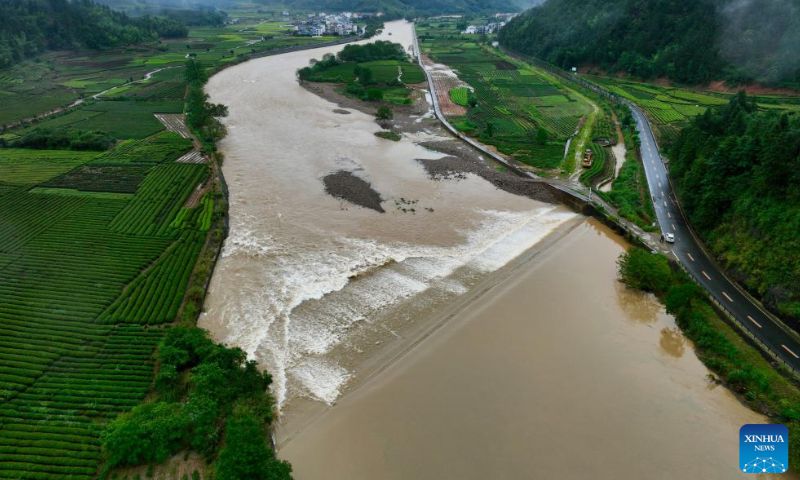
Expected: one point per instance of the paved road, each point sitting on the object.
(765, 328)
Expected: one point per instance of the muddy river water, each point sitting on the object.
(464, 333)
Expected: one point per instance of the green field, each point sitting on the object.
(98, 249)
(81, 267)
(514, 100)
(389, 78)
(56, 79)
(459, 95)
(671, 107)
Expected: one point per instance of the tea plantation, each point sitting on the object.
(91, 252)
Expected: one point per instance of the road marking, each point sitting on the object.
(673, 227)
(665, 203)
(669, 215)
(727, 296)
(705, 274)
(754, 321)
(787, 349)
(690, 256)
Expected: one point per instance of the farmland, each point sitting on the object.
(513, 100)
(101, 252)
(74, 357)
(377, 71)
(671, 107)
(57, 79)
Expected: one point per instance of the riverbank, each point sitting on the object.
(417, 122)
(520, 380)
(335, 300)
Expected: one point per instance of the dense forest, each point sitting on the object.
(737, 173)
(28, 27)
(409, 8)
(691, 41)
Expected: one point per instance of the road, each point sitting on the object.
(767, 330)
(764, 327)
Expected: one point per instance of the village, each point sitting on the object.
(342, 24)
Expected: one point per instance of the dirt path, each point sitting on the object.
(78, 102)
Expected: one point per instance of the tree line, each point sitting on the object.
(29, 27)
(690, 41)
(737, 173)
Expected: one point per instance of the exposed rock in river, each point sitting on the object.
(345, 185)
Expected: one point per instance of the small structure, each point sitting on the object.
(588, 156)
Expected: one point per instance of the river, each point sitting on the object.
(479, 332)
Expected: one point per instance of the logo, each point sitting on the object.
(764, 448)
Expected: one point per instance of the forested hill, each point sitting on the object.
(409, 8)
(691, 41)
(737, 172)
(28, 27)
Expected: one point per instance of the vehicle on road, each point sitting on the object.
(669, 237)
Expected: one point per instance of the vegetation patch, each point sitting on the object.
(209, 399)
(389, 135)
(460, 96)
(721, 348)
(508, 107)
(737, 174)
(373, 72)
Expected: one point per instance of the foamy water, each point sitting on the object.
(306, 281)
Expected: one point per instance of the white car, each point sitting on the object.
(669, 237)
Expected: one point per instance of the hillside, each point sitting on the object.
(409, 8)
(691, 41)
(737, 172)
(28, 27)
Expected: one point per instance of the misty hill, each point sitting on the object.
(28, 27)
(691, 41)
(392, 8)
(407, 8)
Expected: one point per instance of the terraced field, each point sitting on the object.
(56, 79)
(670, 108)
(83, 270)
(514, 101)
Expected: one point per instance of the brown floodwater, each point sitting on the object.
(308, 284)
(554, 371)
(479, 335)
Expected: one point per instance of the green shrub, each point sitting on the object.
(384, 113)
(646, 271)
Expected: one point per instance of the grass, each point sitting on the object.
(98, 248)
(121, 119)
(56, 79)
(630, 193)
(514, 99)
(29, 167)
(389, 135)
(671, 107)
(389, 77)
(595, 173)
(79, 274)
(459, 95)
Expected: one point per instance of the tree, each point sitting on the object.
(245, 455)
(364, 75)
(643, 270)
(384, 113)
(541, 136)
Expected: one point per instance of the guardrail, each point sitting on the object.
(720, 307)
(632, 230)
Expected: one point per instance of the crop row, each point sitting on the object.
(62, 375)
(159, 199)
(29, 167)
(155, 296)
(159, 148)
